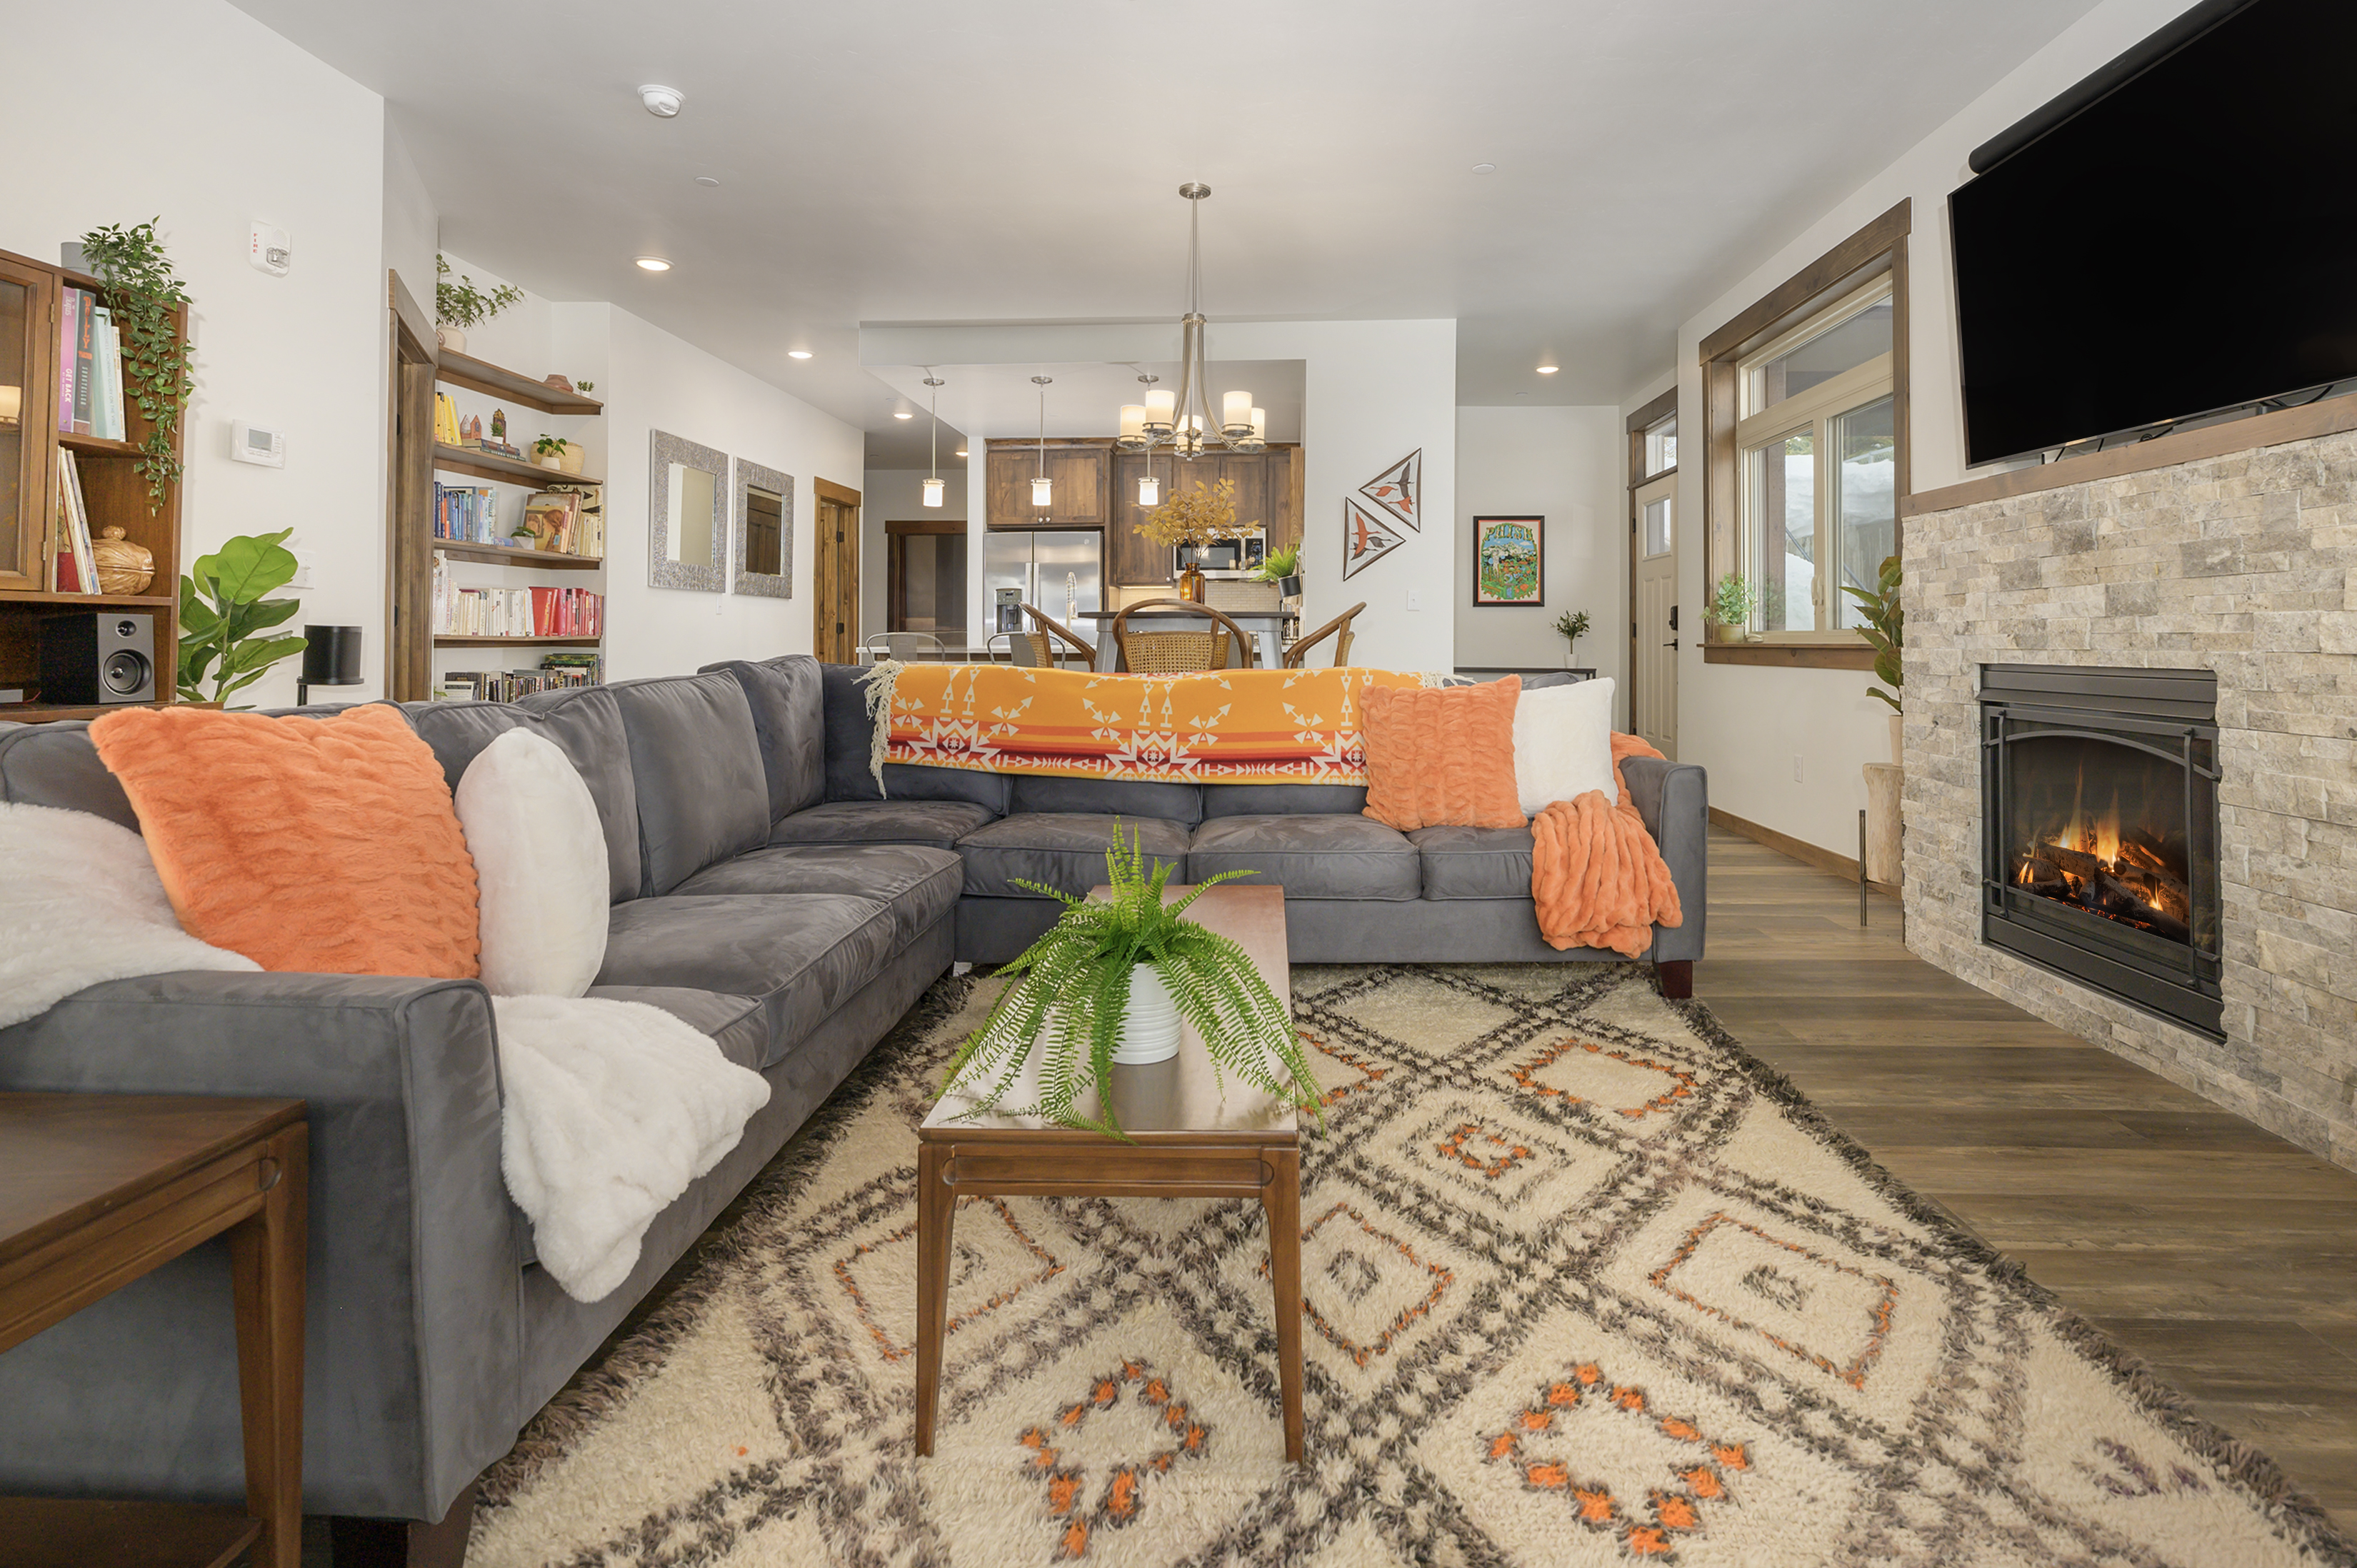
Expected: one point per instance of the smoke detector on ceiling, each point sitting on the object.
(663, 102)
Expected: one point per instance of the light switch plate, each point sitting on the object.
(1416, 598)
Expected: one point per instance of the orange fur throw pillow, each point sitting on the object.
(1443, 757)
(318, 846)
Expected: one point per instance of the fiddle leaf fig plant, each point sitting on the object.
(141, 294)
(1068, 995)
(225, 610)
(1885, 628)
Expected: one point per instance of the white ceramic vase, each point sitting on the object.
(1898, 736)
(1149, 1031)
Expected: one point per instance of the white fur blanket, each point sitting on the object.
(609, 1109)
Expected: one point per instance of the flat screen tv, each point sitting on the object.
(2184, 243)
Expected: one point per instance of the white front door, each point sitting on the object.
(1653, 706)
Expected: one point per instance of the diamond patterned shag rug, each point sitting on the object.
(1586, 1285)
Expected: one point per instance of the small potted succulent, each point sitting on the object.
(1108, 984)
(1729, 620)
(549, 452)
(1282, 567)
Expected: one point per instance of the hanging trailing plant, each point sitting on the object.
(462, 304)
(141, 294)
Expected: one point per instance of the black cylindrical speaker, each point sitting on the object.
(331, 656)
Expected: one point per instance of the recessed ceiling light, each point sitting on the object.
(1549, 370)
(798, 353)
(1485, 169)
(705, 180)
(903, 414)
(654, 263)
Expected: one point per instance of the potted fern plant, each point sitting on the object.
(1107, 985)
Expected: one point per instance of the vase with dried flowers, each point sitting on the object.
(1196, 517)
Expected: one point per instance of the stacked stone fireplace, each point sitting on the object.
(2131, 769)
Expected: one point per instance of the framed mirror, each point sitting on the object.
(765, 531)
(687, 515)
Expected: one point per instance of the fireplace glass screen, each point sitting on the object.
(2099, 824)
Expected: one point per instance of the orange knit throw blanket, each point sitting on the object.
(1597, 876)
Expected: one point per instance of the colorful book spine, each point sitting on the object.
(68, 324)
(106, 396)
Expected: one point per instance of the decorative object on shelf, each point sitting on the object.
(461, 306)
(558, 381)
(687, 515)
(585, 388)
(122, 567)
(1043, 491)
(224, 611)
(1365, 539)
(934, 489)
(1571, 626)
(500, 426)
(331, 657)
(765, 531)
(1399, 490)
(142, 294)
(548, 451)
(1508, 561)
(471, 431)
(1282, 567)
(1183, 420)
(1731, 602)
(1077, 1000)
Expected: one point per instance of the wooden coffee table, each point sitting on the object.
(1192, 1141)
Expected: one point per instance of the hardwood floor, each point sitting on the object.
(2223, 1255)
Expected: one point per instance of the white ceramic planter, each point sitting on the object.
(1149, 1031)
(450, 337)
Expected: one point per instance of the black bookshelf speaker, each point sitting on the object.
(95, 656)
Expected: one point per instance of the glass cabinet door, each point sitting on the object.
(27, 394)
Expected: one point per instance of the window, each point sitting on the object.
(1804, 458)
(1658, 539)
(1818, 442)
(1661, 446)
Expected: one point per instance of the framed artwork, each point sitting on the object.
(1510, 560)
(1365, 540)
(1399, 490)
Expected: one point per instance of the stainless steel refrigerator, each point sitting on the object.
(1060, 574)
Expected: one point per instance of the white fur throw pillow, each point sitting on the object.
(540, 861)
(1562, 743)
(79, 903)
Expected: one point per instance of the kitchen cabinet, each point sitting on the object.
(1080, 469)
(1130, 560)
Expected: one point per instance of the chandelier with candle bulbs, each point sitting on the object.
(1181, 421)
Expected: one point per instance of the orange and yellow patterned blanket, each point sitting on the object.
(1227, 726)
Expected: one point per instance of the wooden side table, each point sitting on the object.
(98, 1190)
(1194, 1138)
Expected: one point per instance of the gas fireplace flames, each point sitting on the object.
(2085, 860)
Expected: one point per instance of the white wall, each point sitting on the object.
(1562, 464)
(1746, 723)
(412, 224)
(207, 86)
(896, 495)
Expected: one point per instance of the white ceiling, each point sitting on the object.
(931, 162)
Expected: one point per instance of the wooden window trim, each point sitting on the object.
(1640, 422)
(1879, 247)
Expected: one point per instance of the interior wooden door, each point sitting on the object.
(409, 499)
(1654, 630)
(834, 575)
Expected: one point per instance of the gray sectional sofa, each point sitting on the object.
(765, 892)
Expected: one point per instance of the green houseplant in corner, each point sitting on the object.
(224, 612)
(1087, 989)
(1886, 629)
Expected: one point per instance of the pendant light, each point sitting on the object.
(1149, 488)
(933, 487)
(1042, 489)
(1183, 421)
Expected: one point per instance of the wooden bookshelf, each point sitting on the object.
(482, 376)
(416, 456)
(32, 532)
(444, 639)
(509, 555)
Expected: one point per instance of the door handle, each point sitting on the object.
(1674, 617)
(1672, 644)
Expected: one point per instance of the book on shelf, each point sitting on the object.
(514, 612)
(589, 517)
(468, 515)
(90, 368)
(106, 395)
(445, 419)
(554, 519)
(558, 671)
(77, 562)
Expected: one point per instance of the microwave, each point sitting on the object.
(1228, 557)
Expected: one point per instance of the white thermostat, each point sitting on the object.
(269, 249)
(250, 443)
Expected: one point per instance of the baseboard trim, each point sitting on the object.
(1842, 865)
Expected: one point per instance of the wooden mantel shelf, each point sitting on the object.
(2302, 423)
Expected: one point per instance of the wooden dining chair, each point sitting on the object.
(1040, 643)
(1221, 645)
(1339, 628)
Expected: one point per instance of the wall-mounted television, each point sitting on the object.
(2175, 236)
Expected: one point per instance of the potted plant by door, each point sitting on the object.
(1729, 620)
(1108, 984)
